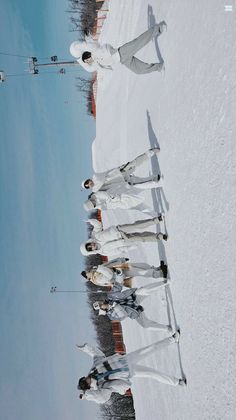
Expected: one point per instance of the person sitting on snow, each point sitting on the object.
(120, 305)
(95, 57)
(116, 240)
(122, 177)
(115, 373)
(121, 271)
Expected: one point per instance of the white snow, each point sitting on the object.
(189, 111)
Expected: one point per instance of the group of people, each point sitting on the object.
(121, 188)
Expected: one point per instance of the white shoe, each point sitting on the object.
(170, 329)
(153, 151)
(162, 27)
(161, 66)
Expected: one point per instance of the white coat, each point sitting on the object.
(118, 382)
(109, 241)
(108, 180)
(106, 200)
(104, 56)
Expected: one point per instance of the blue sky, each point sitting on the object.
(45, 151)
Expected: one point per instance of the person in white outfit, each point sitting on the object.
(122, 178)
(121, 304)
(115, 373)
(120, 270)
(116, 240)
(105, 200)
(101, 58)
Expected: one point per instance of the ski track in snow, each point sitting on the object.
(189, 112)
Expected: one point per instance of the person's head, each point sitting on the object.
(91, 246)
(84, 383)
(87, 57)
(84, 274)
(88, 183)
(88, 275)
(101, 307)
(104, 306)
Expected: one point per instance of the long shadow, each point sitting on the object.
(158, 197)
(160, 202)
(170, 308)
(152, 21)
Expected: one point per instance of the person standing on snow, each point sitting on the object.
(120, 271)
(95, 57)
(121, 178)
(115, 373)
(105, 200)
(116, 240)
(121, 304)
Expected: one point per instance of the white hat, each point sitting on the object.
(88, 205)
(76, 49)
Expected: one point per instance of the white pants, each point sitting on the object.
(137, 370)
(141, 294)
(128, 50)
(129, 233)
(128, 169)
(142, 270)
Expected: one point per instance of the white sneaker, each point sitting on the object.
(170, 329)
(153, 151)
(162, 27)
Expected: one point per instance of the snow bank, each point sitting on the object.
(188, 110)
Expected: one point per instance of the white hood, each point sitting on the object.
(84, 251)
(76, 49)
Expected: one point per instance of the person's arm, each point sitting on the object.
(90, 350)
(97, 226)
(118, 385)
(116, 262)
(107, 274)
(91, 68)
(99, 396)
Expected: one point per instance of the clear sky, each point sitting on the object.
(45, 152)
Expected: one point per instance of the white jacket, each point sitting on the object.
(106, 200)
(108, 180)
(118, 382)
(103, 55)
(109, 241)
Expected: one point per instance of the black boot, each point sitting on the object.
(164, 269)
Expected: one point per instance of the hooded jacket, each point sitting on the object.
(109, 242)
(117, 381)
(106, 200)
(104, 56)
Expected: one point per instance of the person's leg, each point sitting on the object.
(139, 371)
(143, 270)
(146, 183)
(143, 208)
(144, 236)
(151, 288)
(139, 160)
(138, 355)
(140, 67)
(129, 49)
(139, 224)
(152, 325)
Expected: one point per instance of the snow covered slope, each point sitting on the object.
(190, 112)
